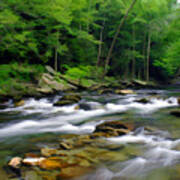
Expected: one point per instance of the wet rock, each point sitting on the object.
(32, 175)
(19, 103)
(64, 103)
(97, 87)
(175, 113)
(143, 100)
(65, 146)
(51, 164)
(105, 91)
(74, 172)
(31, 155)
(15, 162)
(84, 106)
(124, 92)
(33, 161)
(112, 128)
(47, 152)
(68, 100)
(178, 100)
(113, 124)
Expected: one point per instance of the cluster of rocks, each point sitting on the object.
(76, 155)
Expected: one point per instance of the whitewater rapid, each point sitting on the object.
(69, 119)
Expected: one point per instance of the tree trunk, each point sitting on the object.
(133, 59)
(148, 56)
(56, 60)
(56, 54)
(116, 36)
(100, 45)
(144, 55)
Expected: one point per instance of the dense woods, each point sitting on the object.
(123, 38)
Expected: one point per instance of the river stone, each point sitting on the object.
(48, 152)
(68, 100)
(65, 146)
(19, 103)
(74, 172)
(124, 92)
(178, 100)
(32, 175)
(51, 164)
(15, 162)
(143, 100)
(33, 161)
(175, 113)
(113, 124)
(85, 106)
(111, 129)
(105, 91)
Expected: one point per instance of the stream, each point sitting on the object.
(38, 124)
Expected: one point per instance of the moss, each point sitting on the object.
(14, 78)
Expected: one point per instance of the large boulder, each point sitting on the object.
(112, 128)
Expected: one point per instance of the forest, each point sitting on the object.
(89, 89)
(125, 39)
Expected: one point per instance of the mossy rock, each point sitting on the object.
(72, 97)
(64, 103)
(68, 100)
(143, 100)
(105, 91)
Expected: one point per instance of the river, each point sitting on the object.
(38, 124)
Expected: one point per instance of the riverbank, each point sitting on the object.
(18, 81)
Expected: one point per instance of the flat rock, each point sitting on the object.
(124, 92)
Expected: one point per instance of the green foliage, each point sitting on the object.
(12, 75)
(42, 31)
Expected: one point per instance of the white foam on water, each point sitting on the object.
(161, 153)
(153, 105)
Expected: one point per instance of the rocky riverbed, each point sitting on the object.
(99, 136)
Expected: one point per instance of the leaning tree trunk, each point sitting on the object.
(56, 54)
(148, 56)
(100, 45)
(116, 36)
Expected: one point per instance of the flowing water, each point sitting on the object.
(38, 123)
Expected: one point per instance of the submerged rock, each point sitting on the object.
(74, 172)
